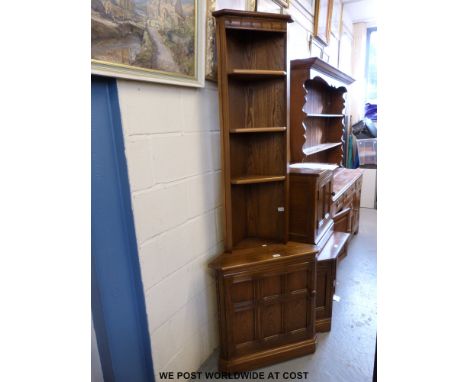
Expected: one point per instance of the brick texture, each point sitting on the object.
(172, 145)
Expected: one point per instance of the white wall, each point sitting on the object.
(369, 185)
(172, 145)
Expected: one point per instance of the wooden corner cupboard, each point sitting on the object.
(266, 304)
(265, 284)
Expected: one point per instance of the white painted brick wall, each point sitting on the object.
(172, 145)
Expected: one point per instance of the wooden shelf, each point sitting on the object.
(258, 130)
(325, 115)
(252, 179)
(254, 243)
(256, 74)
(322, 147)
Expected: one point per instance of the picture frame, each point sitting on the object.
(271, 6)
(322, 20)
(133, 41)
(282, 3)
(325, 56)
(302, 12)
(316, 49)
(336, 18)
(211, 64)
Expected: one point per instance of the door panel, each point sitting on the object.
(271, 320)
(296, 315)
(271, 286)
(324, 284)
(242, 292)
(243, 326)
(323, 203)
(276, 306)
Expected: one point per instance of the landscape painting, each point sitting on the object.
(154, 40)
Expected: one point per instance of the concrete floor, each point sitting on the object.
(346, 353)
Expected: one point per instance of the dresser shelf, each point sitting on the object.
(318, 112)
(320, 115)
(258, 130)
(321, 147)
(253, 179)
(252, 74)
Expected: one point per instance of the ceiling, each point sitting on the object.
(361, 10)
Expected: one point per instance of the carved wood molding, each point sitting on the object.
(322, 67)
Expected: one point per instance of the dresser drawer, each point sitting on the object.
(339, 204)
(348, 197)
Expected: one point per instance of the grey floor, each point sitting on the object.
(346, 353)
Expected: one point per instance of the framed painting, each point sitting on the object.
(322, 20)
(149, 40)
(336, 18)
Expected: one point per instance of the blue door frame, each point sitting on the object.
(118, 304)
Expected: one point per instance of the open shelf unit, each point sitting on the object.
(255, 210)
(317, 125)
(252, 87)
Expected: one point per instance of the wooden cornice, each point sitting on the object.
(322, 67)
(263, 15)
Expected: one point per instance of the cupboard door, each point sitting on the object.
(241, 315)
(270, 308)
(326, 271)
(297, 288)
(323, 203)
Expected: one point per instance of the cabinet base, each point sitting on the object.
(268, 357)
(323, 325)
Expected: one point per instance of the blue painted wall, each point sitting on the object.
(117, 292)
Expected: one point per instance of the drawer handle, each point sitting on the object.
(333, 193)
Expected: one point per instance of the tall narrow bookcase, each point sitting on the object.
(253, 114)
(265, 284)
